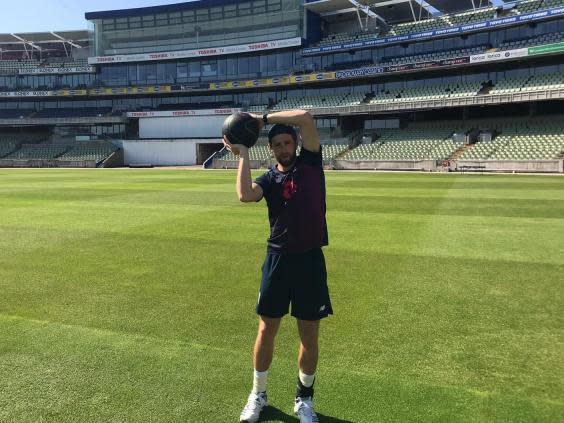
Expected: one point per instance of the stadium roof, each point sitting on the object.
(44, 41)
(153, 10)
(397, 10)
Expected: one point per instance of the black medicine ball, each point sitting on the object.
(241, 128)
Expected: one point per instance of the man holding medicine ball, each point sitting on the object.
(294, 269)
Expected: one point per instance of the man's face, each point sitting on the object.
(284, 148)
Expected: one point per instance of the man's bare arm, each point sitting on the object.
(304, 120)
(247, 190)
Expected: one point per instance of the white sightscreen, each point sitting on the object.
(181, 127)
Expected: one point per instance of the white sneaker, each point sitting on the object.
(304, 410)
(255, 404)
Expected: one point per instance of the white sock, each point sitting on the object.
(307, 380)
(259, 381)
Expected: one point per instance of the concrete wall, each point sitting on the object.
(181, 127)
(537, 166)
(424, 165)
(231, 164)
(178, 152)
(45, 163)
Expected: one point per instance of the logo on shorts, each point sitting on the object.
(322, 309)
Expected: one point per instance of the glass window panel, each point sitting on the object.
(244, 9)
(230, 11)
(216, 13)
(188, 16)
(194, 69)
(202, 15)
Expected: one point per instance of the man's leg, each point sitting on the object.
(307, 363)
(264, 344)
(262, 358)
(309, 350)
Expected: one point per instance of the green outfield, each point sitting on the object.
(128, 296)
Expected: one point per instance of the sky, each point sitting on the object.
(60, 15)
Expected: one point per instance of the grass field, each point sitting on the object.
(127, 296)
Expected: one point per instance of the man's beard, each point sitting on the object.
(286, 162)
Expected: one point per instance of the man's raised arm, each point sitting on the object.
(247, 190)
(304, 120)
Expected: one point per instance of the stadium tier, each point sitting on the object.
(408, 144)
(311, 102)
(427, 57)
(38, 151)
(96, 152)
(64, 112)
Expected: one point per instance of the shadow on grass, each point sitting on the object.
(273, 414)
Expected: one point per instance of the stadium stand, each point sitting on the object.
(38, 151)
(555, 37)
(310, 102)
(440, 55)
(478, 15)
(539, 140)
(351, 37)
(421, 26)
(67, 113)
(427, 92)
(14, 66)
(15, 113)
(262, 108)
(416, 143)
(89, 151)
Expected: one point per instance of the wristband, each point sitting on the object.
(265, 118)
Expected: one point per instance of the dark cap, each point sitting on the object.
(282, 129)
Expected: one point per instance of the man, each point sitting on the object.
(294, 269)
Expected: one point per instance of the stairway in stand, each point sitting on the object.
(459, 152)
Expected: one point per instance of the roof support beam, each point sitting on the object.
(26, 42)
(430, 9)
(65, 40)
(366, 10)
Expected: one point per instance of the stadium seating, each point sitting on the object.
(258, 108)
(529, 6)
(65, 62)
(9, 67)
(13, 66)
(15, 113)
(416, 143)
(478, 15)
(483, 150)
(89, 151)
(439, 55)
(555, 37)
(420, 26)
(551, 3)
(529, 83)
(343, 38)
(7, 147)
(261, 152)
(70, 113)
(520, 140)
(427, 92)
(38, 151)
(311, 102)
(509, 85)
(544, 82)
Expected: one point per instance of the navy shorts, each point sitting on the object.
(296, 279)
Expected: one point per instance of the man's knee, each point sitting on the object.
(309, 333)
(268, 328)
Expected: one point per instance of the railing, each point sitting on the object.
(208, 163)
(551, 94)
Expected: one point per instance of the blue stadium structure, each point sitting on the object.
(393, 84)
